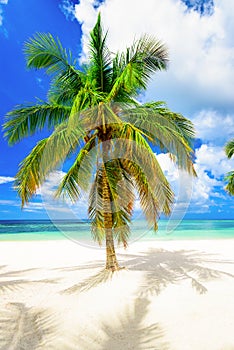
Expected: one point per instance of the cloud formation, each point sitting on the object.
(2, 2)
(211, 165)
(214, 127)
(6, 179)
(67, 8)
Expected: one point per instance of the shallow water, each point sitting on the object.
(80, 231)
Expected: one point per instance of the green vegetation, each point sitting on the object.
(93, 111)
(229, 150)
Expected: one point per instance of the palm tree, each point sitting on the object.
(229, 150)
(93, 111)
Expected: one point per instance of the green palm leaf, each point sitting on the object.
(133, 69)
(170, 131)
(100, 60)
(25, 120)
(120, 202)
(229, 148)
(138, 156)
(78, 176)
(122, 197)
(63, 89)
(95, 210)
(230, 179)
(28, 178)
(44, 158)
(43, 51)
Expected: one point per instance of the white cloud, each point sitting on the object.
(214, 127)
(199, 193)
(181, 183)
(2, 2)
(6, 179)
(1, 17)
(67, 8)
(9, 202)
(201, 48)
(213, 159)
(86, 14)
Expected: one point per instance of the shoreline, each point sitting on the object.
(57, 236)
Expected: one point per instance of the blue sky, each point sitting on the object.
(199, 84)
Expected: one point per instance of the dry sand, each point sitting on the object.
(175, 295)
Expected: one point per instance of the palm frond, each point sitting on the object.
(230, 179)
(44, 158)
(25, 120)
(43, 51)
(28, 178)
(120, 205)
(86, 99)
(170, 131)
(153, 55)
(78, 176)
(64, 88)
(122, 199)
(154, 191)
(229, 148)
(132, 146)
(133, 69)
(102, 116)
(100, 67)
(95, 210)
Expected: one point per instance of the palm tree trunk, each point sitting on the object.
(111, 260)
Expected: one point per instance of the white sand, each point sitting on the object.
(174, 295)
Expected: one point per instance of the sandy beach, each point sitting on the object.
(175, 295)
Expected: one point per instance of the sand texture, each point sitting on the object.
(172, 295)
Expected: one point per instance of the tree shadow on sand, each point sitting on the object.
(102, 276)
(25, 328)
(164, 267)
(126, 331)
(132, 334)
(9, 284)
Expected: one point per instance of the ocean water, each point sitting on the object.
(80, 231)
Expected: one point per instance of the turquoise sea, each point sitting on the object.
(80, 231)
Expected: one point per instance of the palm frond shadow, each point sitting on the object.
(13, 285)
(95, 264)
(7, 284)
(15, 273)
(132, 332)
(126, 332)
(169, 267)
(18, 285)
(93, 281)
(25, 328)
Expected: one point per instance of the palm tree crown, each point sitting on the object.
(94, 111)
